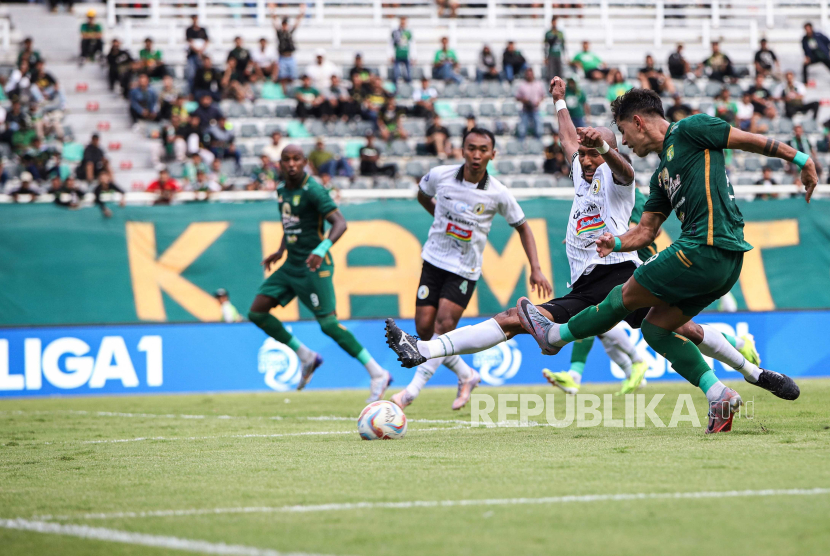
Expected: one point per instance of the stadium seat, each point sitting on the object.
(529, 167)
(809, 125)
(564, 181)
(362, 183)
(399, 148)
(745, 179)
(243, 149)
(270, 129)
(472, 90)
(285, 110)
(488, 110)
(334, 149)
(415, 169)
(509, 108)
(785, 125)
(404, 91)
(776, 164)
(307, 148)
(444, 109)
(417, 73)
(752, 164)
(533, 146)
(263, 111)
(544, 182)
(258, 148)
(514, 148)
(451, 91)
(297, 130)
(383, 182)
(598, 108)
(465, 110)
(456, 129)
(519, 184)
(713, 88)
(249, 130)
(506, 167)
(691, 90)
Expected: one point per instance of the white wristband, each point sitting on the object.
(560, 105)
(604, 148)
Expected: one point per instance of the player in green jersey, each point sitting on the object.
(307, 272)
(698, 268)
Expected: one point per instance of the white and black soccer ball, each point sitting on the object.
(381, 420)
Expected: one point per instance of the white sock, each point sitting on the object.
(739, 342)
(715, 391)
(467, 339)
(617, 354)
(716, 346)
(619, 336)
(576, 376)
(304, 353)
(459, 367)
(423, 373)
(375, 370)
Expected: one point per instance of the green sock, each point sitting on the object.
(707, 380)
(731, 339)
(596, 319)
(332, 328)
(274, 328)
(580, 352)
(683, 354)
(364, 356)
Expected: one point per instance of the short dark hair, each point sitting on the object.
(637, 101)
(479, 131)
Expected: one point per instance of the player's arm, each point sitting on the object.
(427, 202)
(338, 228)
(275, 256)
(567, 130)
(635, 238)
(767, 146)
(538, 282)
(620, 168)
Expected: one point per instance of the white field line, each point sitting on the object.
(450, 503)
(142, 539)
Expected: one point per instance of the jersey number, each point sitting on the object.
(315, 301)
(463, 287)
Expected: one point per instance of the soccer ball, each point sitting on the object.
(381, 420)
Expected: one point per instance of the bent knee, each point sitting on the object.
(509, 322)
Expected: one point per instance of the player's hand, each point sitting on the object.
(539, 284)
(557, 88)
(605, 244)
(313, 262)
(589, 137)
(272, 259)
(809, 177)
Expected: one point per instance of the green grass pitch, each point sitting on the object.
(59, 463)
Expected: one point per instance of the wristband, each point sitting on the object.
(604, 148)
(560, 105)
(617, 244)
(323, 248)
(801, 159)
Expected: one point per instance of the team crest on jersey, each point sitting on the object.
(588, 224)
(296, 200)
(670, 153)
(458, 232)
(479, 208)
(596, 185)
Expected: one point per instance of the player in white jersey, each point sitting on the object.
(603, 201)
(463, 199)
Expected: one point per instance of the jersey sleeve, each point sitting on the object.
(657, 200)
(705, 132)
(428, 184)
(511, 211)
(576, 167)
(322, 200)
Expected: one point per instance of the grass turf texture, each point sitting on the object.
(49, 467)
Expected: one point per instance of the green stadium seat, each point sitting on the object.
(296, 130)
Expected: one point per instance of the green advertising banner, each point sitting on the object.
(163, 263)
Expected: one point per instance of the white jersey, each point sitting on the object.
(600, 206)
(464, 213)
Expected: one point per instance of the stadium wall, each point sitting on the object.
(161, 264)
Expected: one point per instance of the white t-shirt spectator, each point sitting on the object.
(421, 94)
(264, 59)
(320, 74)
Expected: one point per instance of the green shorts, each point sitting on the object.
(690, 276)
(314, 289)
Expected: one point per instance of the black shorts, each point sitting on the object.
(438, 284)
(591, 289)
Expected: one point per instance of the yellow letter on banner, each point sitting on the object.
(763, 235)
(502, 272)
(271, 236)
(151, 276)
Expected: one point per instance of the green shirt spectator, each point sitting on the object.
(444, 56)
(617, 89)
(91, 30)
(575, 99)
(588, 60)
(149, 54)
(306, 94)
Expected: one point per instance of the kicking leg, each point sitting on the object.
(623, 352)
(570, 380)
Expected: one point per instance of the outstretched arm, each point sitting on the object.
(635, 238)
(767, 146)
(620, 168)
(538, 282)
(567, 130)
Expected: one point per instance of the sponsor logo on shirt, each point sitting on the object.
(459, 233)
(670, 153)
(589, 224)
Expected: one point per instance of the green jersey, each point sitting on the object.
(443, 56)
(691, 180)
(90, 29)
(554, 43)
(575, 100)
(589, 60)
(401, 41)
(617, 89)
(304, 212)
(146, 54)
(636, 214)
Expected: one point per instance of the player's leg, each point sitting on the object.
(623, 352)
(570, 380)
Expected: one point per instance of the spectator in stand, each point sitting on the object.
(718, 66)
(403, 51)
(554, 51)
(120, 65)
(678, 110)
(513, 62)
(203, 184)
(359, 69)
(816, 48)
(69, 194)
(340, 102)
(761, 98)
(236, 81)
(389, 121)
(309, 100)
(265, 58)
(766, 177)
(197, 42)
(206, 81)
(618, 86)
(266, 175)
(471, 123)
(46, 90)
(239, 53)
(424, 100)
(92, 43)
(791, 92)
(590, 64)
(438, 140)
(28, 53)
(445, 63)
(530, 94)
(192, 135)
(286, 48)
(106, 185)
(678, 66)
(19, 82)
(321, 71)
(19, 125)
(556, 162)
(725, 108)
(766, 61)
(375, 99)
(577, 102)
(94, 161)
(487, 67)
(144, 101)
(803, 144)
(165, 186)
(653, 78)
(208, 113)
(218, 175)
(274, 150)
(222, 141)
(169, 96)
(27, 187)
(444, 5)
(746, 118)
(151, 61)
(4, 175)
(37, 158)
(323, 161)
(369, 157)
